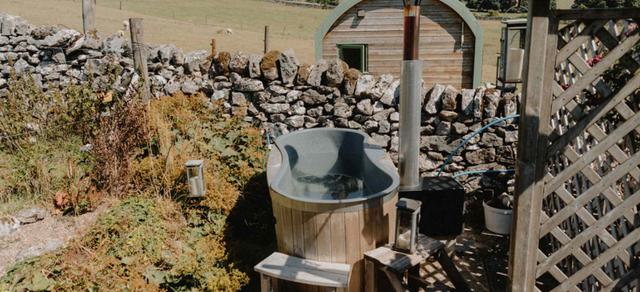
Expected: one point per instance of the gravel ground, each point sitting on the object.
(43, 236)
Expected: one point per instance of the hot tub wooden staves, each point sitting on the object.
(321, 232)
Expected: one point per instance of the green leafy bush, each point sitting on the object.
(143, 244)
(41, 134)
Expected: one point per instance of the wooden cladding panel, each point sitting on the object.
(334, 236)
(446, 42)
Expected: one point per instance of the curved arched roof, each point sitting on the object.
(455, 5)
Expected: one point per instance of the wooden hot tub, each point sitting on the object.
(333, 194)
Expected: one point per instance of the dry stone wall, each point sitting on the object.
(273, 91)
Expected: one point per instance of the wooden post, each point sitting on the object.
(533, 134)
(120, 5)
(88, 16)
(370, 284)
(140, 54)
(265, 283)
(214, 50)
(266, 39)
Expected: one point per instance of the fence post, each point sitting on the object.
(140, 54)
(214, 50)
(533, 134)
(88, 16)
(266, 39)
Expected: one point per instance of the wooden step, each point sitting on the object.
(299, 270)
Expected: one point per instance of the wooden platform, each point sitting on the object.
(394, 264)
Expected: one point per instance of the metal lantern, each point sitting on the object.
(407, 218)
(195, 178)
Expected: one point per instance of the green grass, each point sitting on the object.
(183, 23)
(32, 175)
(564, 4)
(249, 15)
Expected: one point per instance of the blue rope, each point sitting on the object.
(467, 139)
(472, 172)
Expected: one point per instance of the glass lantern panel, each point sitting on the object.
(193, 172)
(403, 239)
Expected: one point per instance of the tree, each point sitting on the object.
(605, 3)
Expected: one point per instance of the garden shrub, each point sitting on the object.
(143, 244)
(156, 238)
(41, 135)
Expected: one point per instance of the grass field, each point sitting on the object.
(183, 22)
(190, 24)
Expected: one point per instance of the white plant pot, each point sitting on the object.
(497, 220)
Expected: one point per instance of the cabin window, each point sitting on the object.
(354, 55)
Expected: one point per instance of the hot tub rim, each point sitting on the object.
(387, 168)
(332, 206)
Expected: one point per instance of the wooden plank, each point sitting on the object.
(606, 256)
(370, 276)
(441, 29)
(297, 222)
(352, 244)
(588, 219)
(533, 133)
(278, 224)
(597, 133)
(579, 255)
(394, 280)
(595, 72)
(266, 39)
(287, 230)
(591, 231)
(367, 230)
(352, 230)
(594, 115)
(604, 235)
(452, 271)
(624, 280)
(265, 283)
(609, 193)
(310, 240)
(323, 227)
(555, 271)
(587, 14)
(571, 208)
(299, 270)
(584, 36)
(611, 42)
(89, 16)
(338, 238)
(613, 137)
(140, 55)
(399, 261)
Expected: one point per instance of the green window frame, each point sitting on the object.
(363, 56)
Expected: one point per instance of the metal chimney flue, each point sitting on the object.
(442, 198)
(410, 91)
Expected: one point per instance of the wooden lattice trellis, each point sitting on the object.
(577, 226)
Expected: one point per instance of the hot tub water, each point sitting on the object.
(329, 186)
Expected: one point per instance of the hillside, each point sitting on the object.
(183, 22)
(190, 24)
